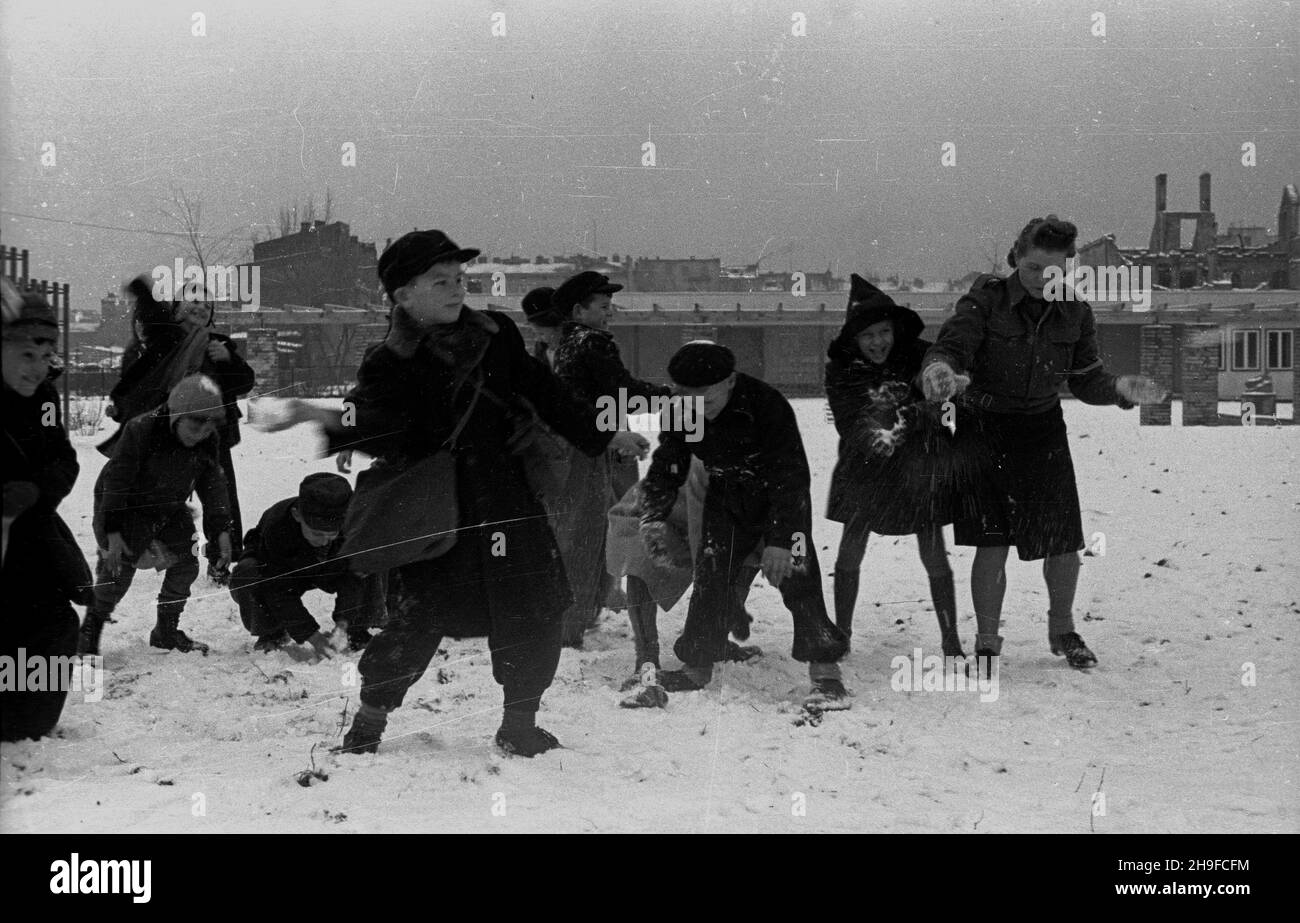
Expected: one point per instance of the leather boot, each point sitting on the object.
(91, 628)
(846, 598)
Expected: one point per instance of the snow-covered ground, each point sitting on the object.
(1189, 724)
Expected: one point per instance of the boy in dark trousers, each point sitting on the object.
(588, 361)
(141, 518)
(758, 495)
(293, 549)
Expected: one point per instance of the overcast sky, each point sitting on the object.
(814, 150)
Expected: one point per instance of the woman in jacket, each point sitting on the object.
(890, 478)
(1019, 340)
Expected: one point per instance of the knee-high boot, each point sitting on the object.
(846, 598)
(944, 595)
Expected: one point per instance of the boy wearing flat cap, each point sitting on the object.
(545, 321)
(440, 366)
(588, 361)
(758, 496)
(293, 549)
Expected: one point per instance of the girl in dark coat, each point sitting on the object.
(1019, 342)
(503, 578)
(44, 570)
(893, 452)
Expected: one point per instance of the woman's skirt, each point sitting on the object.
(1024, 491)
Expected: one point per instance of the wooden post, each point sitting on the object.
(67, 353)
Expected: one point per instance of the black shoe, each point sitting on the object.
(357, 640)
(526, 741)
(362, 737)
(1076, 652)
(740, 622)
(831, 688)
(678, 681)
(635, 679)
(167, 636)
(270, 643)
(218, 574)
(828, 694)
(175, 640)
(739, 654)
(88, 637)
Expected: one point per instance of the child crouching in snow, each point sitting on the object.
(654, 584)
(758, 495)
(295, 548)
(141, 519)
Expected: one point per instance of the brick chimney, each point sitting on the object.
(1205, 193)
(1162, 185)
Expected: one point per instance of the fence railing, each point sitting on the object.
(310, 381)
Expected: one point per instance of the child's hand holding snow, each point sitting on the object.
(885, 441)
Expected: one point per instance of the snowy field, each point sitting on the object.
(1189, 724)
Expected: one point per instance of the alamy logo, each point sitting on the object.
(102, 876)
(944, 674)
(216, 283)
(1100, 284)
(678, 414)
(39, 673)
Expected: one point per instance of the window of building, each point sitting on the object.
(1279, 350)
(1223, 349)
(1245, 350)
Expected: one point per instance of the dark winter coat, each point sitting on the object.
(279, 545)
(144, 486)
(887, 489)
(278, 565)
(235, 378)
(407, 401)
(588, 361)
(43, 566)
(41, 546)
(1018, 349)
(755, 460)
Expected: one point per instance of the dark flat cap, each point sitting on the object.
(323, 500)
(701, 363)
(412, 254)
(582, 286)
(538, 310)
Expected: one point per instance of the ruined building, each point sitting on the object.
(1186, 250)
